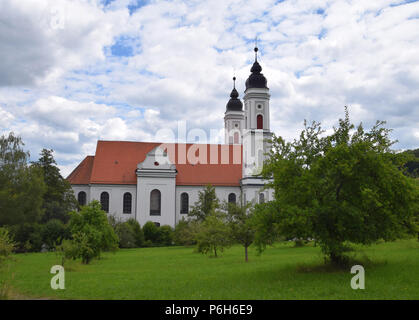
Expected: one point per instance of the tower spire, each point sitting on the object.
(256, 48)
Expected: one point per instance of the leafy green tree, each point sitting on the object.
(213, 234)
(340, 188)
(21, 186)
(242, 227)
(59, 198)
(207, 203)
(90, 227)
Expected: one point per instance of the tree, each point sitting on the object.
(21, 186)
(340, 188)
(213, 234)
(59, 198)
(91, 231)
(242, 228)
(207, 203)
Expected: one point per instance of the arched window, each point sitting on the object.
(184, 203)
(127, 204)
(104, 201)
(155, 203)
(259, 120)
(232, 198)
(81, 198)
(261, 198)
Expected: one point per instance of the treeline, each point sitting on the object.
(412, 165)
(35, 200)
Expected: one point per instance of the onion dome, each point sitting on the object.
(256, 78)
(234, 104)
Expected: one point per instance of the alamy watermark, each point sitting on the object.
(358, 280)
(58, 281)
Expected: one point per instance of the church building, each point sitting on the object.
(159, 182)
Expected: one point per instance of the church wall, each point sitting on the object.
(79, 188)
(116, 196)
(222, 193)
(167, 188)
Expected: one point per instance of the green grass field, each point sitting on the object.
(282, 272)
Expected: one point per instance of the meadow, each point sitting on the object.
(281, 272)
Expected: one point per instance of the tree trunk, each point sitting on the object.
(245, 254)
(215, 251)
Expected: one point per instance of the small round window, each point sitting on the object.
(259, 106)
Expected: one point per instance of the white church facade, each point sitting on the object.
(159, 182)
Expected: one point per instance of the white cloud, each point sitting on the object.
(318, 56)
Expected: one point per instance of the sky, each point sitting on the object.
(76, 71)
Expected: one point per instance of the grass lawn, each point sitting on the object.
(281, 272)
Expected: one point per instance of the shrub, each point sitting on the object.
(126, 235)
(81, 246)
(165, 235)
(27, 236)
(151, 232)
(6, 244)
(138, 232)
(185, 232)
(54, 232)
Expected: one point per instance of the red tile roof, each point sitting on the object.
(81, 174)
(115, 162)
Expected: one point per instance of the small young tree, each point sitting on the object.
(207, 203)
(345, 187)
(242, 227)
(92, 232)
(213, 234)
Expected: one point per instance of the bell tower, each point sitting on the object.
(234, 118)
(257, 120)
